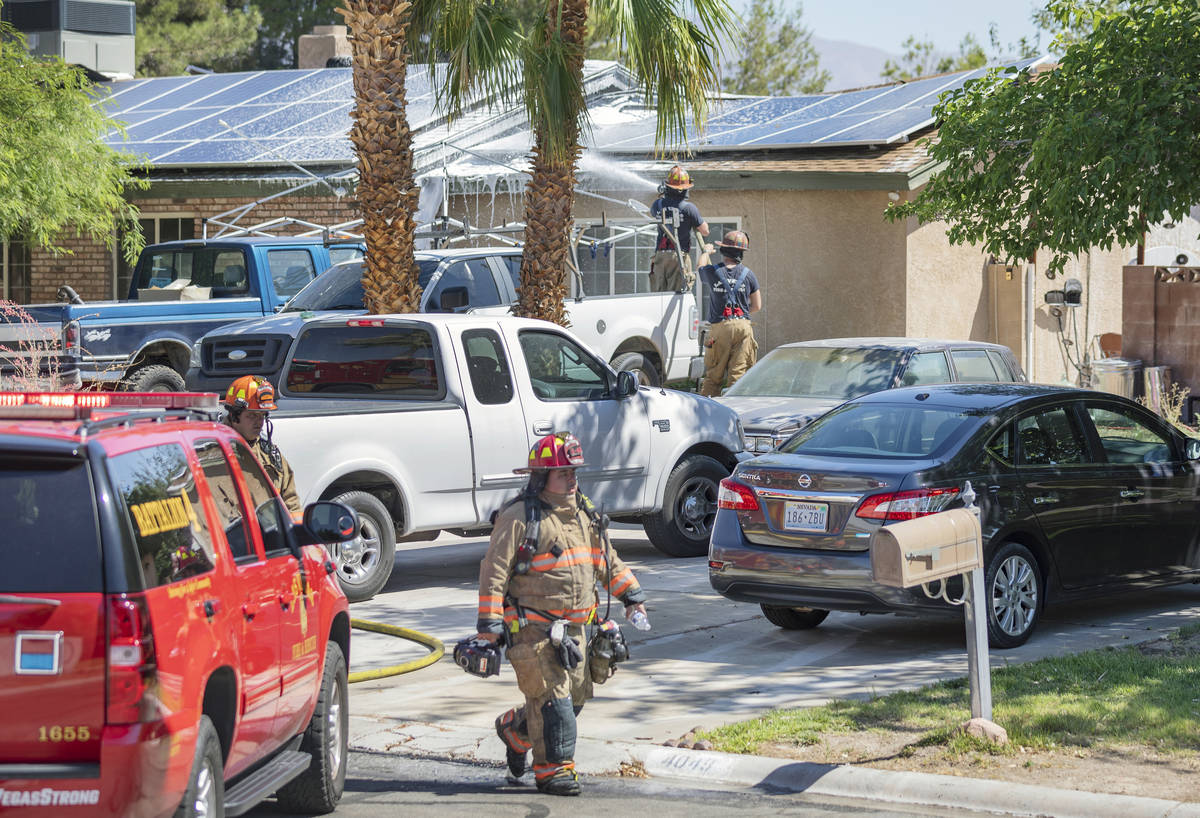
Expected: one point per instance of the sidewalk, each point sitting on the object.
(468, 743)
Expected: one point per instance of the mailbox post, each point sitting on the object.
(931, 549)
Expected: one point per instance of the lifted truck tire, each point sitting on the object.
(205, 793)
(683, 525)
(640, 366)
(794, 619)
(153, 378)
(365, 563)
(318, 789)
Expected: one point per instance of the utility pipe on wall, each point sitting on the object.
(1030, 272)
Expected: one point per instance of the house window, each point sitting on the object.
(154, 229)
(16, 259)
(615, 259)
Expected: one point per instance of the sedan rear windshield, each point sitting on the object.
(820, 372)
(900, 432)
(340, 288)
(51, 540)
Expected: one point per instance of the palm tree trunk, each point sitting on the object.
(550, 194)
(387, 195)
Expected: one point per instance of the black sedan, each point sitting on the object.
(1080, 493)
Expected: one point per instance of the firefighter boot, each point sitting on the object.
(564, 782)
(515, 749)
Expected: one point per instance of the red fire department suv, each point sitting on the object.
(170, 641)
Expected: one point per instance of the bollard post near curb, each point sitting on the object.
(979, 671)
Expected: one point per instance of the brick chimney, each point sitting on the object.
(325, 43)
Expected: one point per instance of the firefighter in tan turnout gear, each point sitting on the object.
(247, 402)
(538, 582)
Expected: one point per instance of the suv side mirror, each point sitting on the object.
(1193, 449)
(626, 385)
(454, 298)
(328, 522)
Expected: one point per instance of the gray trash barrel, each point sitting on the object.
(1116, 375)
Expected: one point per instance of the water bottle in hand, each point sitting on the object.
(640, 621)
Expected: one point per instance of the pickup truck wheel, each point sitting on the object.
(153, 378)
(637, 363)
(318, 789)
(682, 527)
(365, 563)
(205, 793)
(794, 619)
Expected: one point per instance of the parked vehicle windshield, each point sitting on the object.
(340, 287)
(889, 430)
(819, 372)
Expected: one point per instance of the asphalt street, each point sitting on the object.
(385, 784)
(706, 662)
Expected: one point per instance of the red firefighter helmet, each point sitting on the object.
(251, 392)
(560, 450)
(735, 240)
(678, 179)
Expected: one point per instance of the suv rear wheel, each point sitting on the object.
(794, 619)
(318, 789)
(205, 793)
(365, 563)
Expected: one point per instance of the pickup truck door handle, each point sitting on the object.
(1132, 494)
(1045, 499)
(543, 427)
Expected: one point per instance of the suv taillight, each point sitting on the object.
(131, 665)
(736, 497)
(906, 505)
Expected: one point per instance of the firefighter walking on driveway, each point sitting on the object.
(730, 348)
(538, 590)
(247, 402)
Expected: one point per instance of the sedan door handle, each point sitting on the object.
(1132, 494)
(1045, 499)
(543, 427)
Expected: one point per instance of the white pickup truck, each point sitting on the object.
(417, 422)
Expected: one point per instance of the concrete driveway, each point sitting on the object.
(707, 661)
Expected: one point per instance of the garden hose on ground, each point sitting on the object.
(436, 650)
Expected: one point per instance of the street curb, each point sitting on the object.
(461, 742)
(925, 789)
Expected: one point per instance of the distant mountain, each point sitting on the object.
(851, 64)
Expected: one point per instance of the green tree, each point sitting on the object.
(672, 46)
(1070, 22)
(920, 59)
(777, 55)
(56, 172)
(172, 34)
(1078, 157)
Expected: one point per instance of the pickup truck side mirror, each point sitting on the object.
(627, 385)
(327, 522)
(454, 298)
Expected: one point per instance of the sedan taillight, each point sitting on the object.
(736, 497)
(906, 505)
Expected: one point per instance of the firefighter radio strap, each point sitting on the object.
(733, 278)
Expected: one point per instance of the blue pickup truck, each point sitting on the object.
(179, 291)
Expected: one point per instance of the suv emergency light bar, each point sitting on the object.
(81, 404)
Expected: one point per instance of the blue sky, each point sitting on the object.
(886, 23)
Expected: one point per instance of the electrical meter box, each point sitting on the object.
(912, 552)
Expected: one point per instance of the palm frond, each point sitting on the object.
(475, 46)
(554, 94)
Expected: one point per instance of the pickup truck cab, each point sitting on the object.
(654, 335)
(179, 291)
(170, 641)
(417, 422)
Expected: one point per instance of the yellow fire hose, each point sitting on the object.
(436, 650)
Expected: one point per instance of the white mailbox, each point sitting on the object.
(925, 549)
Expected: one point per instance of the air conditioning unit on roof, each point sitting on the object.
(97, 34)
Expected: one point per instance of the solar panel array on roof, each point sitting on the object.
(871, 116)
(247, 118)
(270, 118)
